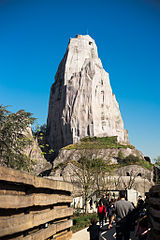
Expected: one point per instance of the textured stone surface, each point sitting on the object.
(119, 179)
(135, 170)
(108, 155)
(39, 163)
(81, 99)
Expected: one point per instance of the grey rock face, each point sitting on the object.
(39, 163)
(81, 99)
(142, 179)
(110, 156)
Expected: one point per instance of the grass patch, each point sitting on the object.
(110, 168)
(82, 221)
(97, 143)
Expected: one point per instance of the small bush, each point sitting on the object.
(82, 221)
(120, 155)
(131, 159)
(146, 164)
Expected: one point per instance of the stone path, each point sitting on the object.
(81, 235)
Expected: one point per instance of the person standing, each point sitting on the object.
(101, 212)
(91, 203)
(122, 209)
(110, 210)
(106, 205)
(94, 229)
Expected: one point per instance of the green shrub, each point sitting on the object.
(146, 164)
(120, 155)
(131, 159)
(82, 221)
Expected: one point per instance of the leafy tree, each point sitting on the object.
(39, 130)
(40, 133)
(157, 160)
(84, 175)
(100, 173)
(90, 175)
(122, 182)
(13, 138)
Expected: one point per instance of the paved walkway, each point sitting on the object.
(81, 235)
(106, 235)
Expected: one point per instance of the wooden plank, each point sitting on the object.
(21, 201)
(155, 225)
(59, 207)
(154, 201)
(154, 212)
(42, 234)
(37, 211)
(154, 189)
(63, 225)
(9, 192)
(15, 224)
(11, 175)
(154, 235)
(60, 233)
(20, 237)
(47, 232)
(65, 236)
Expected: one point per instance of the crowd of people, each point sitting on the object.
(124, 215)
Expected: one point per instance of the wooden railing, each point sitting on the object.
(154, 211)
(34, 208)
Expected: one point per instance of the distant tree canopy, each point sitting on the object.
(13, 139)
(157, 160)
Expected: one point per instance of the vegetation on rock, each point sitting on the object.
(133, 160)
(110, 143)
(98, 143)
(40, 133)
(89, 175)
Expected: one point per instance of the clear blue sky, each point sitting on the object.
(33, 38)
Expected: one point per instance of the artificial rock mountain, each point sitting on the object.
(81, 99)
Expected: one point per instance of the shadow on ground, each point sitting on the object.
(108, 234)
(111, 234)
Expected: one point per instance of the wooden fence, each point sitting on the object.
(34, 208)
(154, 211)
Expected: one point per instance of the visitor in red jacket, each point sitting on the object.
(101, 212)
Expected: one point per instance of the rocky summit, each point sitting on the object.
(81, 99)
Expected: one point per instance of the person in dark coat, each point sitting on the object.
(110, 210)
(91, 203)
(94, 229)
